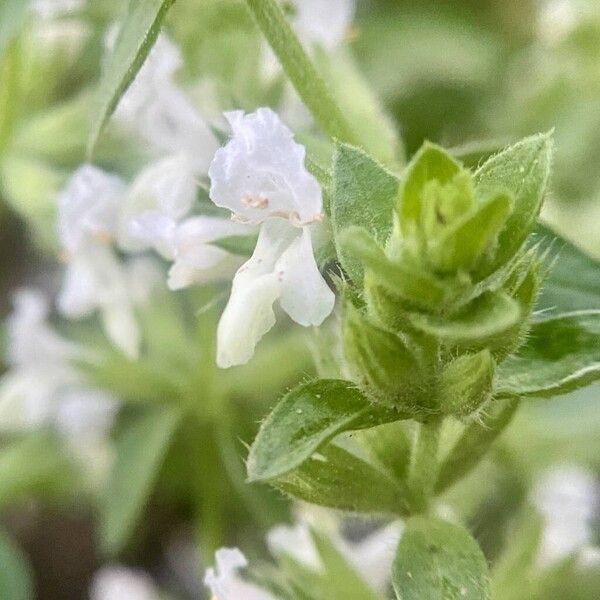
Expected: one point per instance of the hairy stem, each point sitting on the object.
(300, 70)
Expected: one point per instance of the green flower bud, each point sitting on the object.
(466, 383)
(385, 365)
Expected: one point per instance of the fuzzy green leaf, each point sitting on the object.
(136, 37)
(140, 450)
(364, 194)
(482, 320)
(574, 280)
(562, 354)
(522, 170)
(337, 479)
(437, 560)
(466, 383)
(304, 420)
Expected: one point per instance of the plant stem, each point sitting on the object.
(424, 463)
(300, 70)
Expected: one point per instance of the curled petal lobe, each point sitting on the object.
(305, 296)
(196, 259)
(282, 267)
(260, 172)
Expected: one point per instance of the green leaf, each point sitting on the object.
(475, 441)
(431, 162)
(437, 560)
(337, 479)
(562, 354)
(13, 15)
(304, 420)
(240, 245)
(574, 279)
(482, 320)
(136, 37)
(522, 170)
(140, 449)
(340, 578)
(465, 243)
(16, 576)
(364, 194)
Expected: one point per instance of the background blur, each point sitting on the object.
(469, 74)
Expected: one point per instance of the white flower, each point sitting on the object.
(260, 173)
(41, 387)
(120, 583)
(95, 278)
(88, 207)
(261, 178)
(322, 22)
(226, 584)
(160, 111)
(567, 499)
(161, 195)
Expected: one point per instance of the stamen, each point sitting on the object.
(261, 202)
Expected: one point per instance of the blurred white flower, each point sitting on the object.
(121, 583)
(88, 207)
(158, 110)
(567, 499)
(261, 178)
(557, 18)
(321, 23)
(41, 388)
(48, 9)
(225, 583)
(161, 195)
(95, 278)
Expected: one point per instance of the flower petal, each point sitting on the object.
(260, 173)
(196, 259)
(249, 312)
(305, 295)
